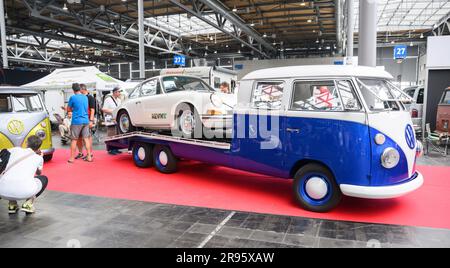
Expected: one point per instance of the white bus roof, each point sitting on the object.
(308, 71)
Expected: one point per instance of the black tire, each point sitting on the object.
(196, 130)
(164, 160)
(48, 157)
(322, 175)
(120, 128)
(142, 155)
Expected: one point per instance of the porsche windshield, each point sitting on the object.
(183, 83)
(381, 95)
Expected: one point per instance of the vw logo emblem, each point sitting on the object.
(15, 127)
(409, 136)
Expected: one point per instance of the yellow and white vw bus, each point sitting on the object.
(23, 114)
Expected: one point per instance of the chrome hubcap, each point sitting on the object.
(141, 154)
(316, 188)
(163, 159)
(124, 123)
(187, 122)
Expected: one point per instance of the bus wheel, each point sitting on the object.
(164, 159)
(315, 188)
(142, 155)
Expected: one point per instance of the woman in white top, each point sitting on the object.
(19, 181)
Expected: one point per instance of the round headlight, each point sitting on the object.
(380, 139)
(390, 158)
(43, 124)
(216, 100)
(41, 134)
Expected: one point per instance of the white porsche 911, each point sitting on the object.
(185, 105)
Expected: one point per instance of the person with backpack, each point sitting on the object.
(21, 177)
(109, 105)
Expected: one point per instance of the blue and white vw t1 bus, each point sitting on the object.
(342, 130)
(335, 130)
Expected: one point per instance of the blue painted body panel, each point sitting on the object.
(347, 148)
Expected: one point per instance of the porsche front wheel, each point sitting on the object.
(124, 124)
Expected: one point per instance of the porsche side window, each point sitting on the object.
(316, 96)
(268, 95)
(149, 88)
(135, 93)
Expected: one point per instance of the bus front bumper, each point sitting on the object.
(383, 192)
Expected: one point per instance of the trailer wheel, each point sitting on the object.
(164, 159)
(124, 124)
(315, 188)
(142, 155)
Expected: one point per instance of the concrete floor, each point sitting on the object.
(67, 220)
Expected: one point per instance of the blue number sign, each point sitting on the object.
(400, 52)
(179, 60)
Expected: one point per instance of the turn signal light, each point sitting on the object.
(214, 112)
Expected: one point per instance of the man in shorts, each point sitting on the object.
(79, 105)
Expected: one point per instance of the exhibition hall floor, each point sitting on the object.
(112, 203)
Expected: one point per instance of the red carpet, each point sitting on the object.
(202, 185)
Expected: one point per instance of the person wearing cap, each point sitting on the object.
(109, 105)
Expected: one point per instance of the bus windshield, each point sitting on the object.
(381, 95)
(26, 103)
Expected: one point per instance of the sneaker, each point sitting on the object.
(28, 207)
(80, 155)
(85, 157)
(13, 208)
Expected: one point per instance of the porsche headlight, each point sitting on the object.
(390, 158)
(41, 134)
(216, 100)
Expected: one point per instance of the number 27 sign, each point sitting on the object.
(400, 52)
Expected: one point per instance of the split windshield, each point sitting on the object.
(182, 83)
(382, 95)
(20, 103)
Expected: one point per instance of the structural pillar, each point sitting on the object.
(339, 22)
(141, 39)
(367, 52)
(3, 35)
(350, 30)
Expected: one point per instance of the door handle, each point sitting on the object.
(293, 130)
(138, 102)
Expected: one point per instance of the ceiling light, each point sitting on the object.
(234, 9)
(411, 44)
(111, 22)
(239, 51)
(65, 7)
(310, 20)
(422, 36)
(252, 24)
(215, 52)
(392, 42)
(317, 41)
(302, 4)
(264, 35)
